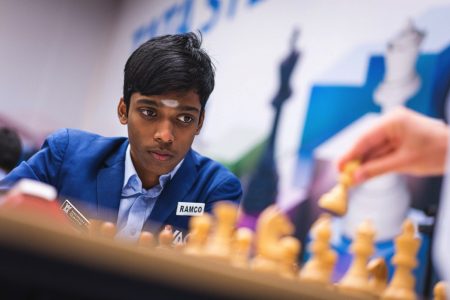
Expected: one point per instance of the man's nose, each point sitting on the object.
(164, 133)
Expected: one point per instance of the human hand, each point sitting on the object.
(403, 141)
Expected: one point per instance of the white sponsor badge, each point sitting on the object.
(190, 209)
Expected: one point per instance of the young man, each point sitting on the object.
(153, 178)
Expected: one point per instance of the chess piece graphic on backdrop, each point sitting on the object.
(262, 188)
(400, 79)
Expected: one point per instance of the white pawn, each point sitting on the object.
(288, 265)
(357, 276)
(198, 234)
(219, 242)
(241, 247)
(403, 281)
(319, 267)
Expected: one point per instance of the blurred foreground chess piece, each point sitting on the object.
(219, 242)
(241, 247)
(146, 240)
(107, 230)
(336, 200)
(403, 281)
(288, 265)
(378, 275)
(319, 267)
(271, 227)
(357, 276)
(199, 227)
(165, 238)
(440, 291)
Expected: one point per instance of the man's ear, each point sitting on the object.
(200, 122)
(122, 112)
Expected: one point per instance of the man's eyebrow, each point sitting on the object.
(147, 101)
(188, 108)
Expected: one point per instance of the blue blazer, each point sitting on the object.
(88, 170)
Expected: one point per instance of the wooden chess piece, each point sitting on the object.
(336, 200)
(288, 265)
(146, 240)
(241, 246)
(440, 291)
(357, 277)
(319, 267)
(403, 281)
(219, 242)
(165, 238)
(271, 226)
(108, 230)
(199, 227)
(378, 275)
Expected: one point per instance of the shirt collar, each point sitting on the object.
(130, 170)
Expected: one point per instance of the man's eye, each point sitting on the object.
(148, 112)
(186, 119)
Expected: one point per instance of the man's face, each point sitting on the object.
(161, 129)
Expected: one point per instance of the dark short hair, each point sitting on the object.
(169, 63)
(10, 149)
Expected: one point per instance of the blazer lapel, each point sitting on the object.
(173, 192)
(109, 185)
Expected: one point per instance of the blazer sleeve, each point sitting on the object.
(227, 190)
(45, 164)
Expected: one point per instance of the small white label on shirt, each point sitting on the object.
(190, 209)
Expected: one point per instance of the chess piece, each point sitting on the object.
(403, 281)
(241, 246)
(94, 227)
(271, 226)
(219, 242)
(319, 267)
(336, 200)
(198, 233)
(146, 240)
(357, 276)
(440, 291)
(107, 230)
(288, 265)
(378, 275)
(165, 238)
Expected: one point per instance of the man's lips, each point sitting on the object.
(161, 155)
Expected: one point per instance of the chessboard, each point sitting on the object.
(41, 259)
